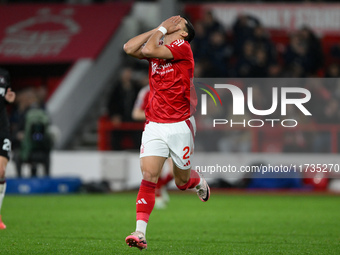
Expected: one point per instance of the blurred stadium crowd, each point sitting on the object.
(245, 50)
(249, 50)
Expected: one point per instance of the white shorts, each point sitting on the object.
(175, 140)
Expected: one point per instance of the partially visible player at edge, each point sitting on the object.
(170, 126)
(6, 96)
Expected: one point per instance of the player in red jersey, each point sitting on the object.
(138, 113)
(170, 126)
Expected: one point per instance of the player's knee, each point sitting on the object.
(150, 176)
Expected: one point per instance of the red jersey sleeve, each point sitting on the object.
(179, 49)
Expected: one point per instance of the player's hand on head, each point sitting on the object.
(10, 95)
(172, 24)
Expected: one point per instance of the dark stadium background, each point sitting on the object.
(66, 57)
(73, 67)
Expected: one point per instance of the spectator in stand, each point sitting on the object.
(303, 56)
(200, 50)
(275, 71)
(243, 31)
(211, 49)
(200, 44)
(246, 60)
(262, 41)
(211, 24)
(297, 62)
(41, 93)
(120, 105)
(261, 64)
(219, 54)
(314, 49)
(31, 133)
(25, 100)
(257, 52)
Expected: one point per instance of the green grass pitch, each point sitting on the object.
(228, 224)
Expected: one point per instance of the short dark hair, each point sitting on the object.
(190, 30)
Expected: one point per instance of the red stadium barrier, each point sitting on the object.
(105, 127)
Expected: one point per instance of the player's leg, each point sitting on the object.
(165, 180)
(4, 157)
(168, 176)
(151, 167)
(181, 144)
(189, 179)
(162, 196)
(3, 165)
(154, 151)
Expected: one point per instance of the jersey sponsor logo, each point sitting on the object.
(160, 68)
(2, 80)
(2, 91)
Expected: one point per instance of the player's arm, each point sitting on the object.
(152, 49)
(138, 114)
(134, 46)
(138, 111)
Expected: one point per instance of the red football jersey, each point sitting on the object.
(172, 93)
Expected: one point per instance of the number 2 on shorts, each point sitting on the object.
(7, 145)
(186, 154)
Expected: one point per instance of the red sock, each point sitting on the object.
(145, 200)
(162, 182)
(159, 185)
(193, 181)
(168, 178)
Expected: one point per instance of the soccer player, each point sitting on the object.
(138, 113)
(6, 96)
(170, 126)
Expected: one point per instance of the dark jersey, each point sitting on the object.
(4, 85)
